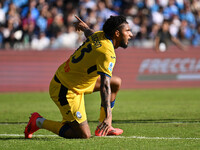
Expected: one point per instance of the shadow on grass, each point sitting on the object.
(11, 138)
(129, 121)
(154, 121)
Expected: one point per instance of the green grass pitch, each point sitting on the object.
(151, 119)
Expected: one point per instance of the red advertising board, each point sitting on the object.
(143, 68)
(29, 70)
(138, 68)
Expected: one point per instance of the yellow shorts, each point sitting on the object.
(71, 104)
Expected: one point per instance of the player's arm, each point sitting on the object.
(105, 91)
(82, 26)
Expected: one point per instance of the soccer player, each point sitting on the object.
(79, 75)
(115, 83)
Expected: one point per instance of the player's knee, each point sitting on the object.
(119, 82)
(83, 131)
(65, 131)
(116, 84)
(86, 135)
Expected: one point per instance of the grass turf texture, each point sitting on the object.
(165, 113)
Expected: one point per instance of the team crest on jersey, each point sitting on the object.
(78, 115)
(110, 67)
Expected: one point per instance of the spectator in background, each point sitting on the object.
(180, 4)
(6, 5)
(117, 6)
(1, 37)
(88, 4)
(170, 10)
(154, 31)
(29, 29)
(142, 34)
(157, 16)
(2, 14)
(53, 16)
(90, 16)
(142, 38)
(185, 32)
(13, 21)
(66, 39)
(59, 6)
(195, 6)
(50, 18)
(104, 12)
(41, 5)
(196, 37)
(32, 9)
(198, 17)
(69, 18)
(56, 26)
(187, 15)
(28, 34)
(163, 3)
(68, 15)
(8, 33)
(19, 3)
(41, 22)
(136, 25)
(155, 6)
(40, 43)
(164, 38)
(13, 16)
(174, 26)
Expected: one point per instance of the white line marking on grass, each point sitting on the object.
(153, 138)
(22, 135)
(122, 137)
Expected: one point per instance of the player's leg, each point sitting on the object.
(72, 108)
(115, 83)
(81, 130)
(66, 130)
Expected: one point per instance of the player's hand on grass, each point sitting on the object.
(80, 25)
(103, 128)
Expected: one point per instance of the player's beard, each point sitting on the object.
(123, 44)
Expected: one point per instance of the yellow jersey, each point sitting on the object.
(95, 56)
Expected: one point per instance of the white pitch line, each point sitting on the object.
(122, 137)
(153, 138)
(22, 135)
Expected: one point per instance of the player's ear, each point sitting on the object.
(117, 33)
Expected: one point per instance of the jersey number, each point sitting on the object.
(67, 68)
(83, 51)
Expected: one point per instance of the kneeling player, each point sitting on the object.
(79, 75)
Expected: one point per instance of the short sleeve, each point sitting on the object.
(106, 63)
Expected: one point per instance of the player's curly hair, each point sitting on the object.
(112, 24)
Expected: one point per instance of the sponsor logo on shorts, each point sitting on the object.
(78, 115)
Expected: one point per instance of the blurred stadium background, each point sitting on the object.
(37, 35)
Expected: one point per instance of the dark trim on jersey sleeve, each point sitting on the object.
(92, 69)
(103, 73)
